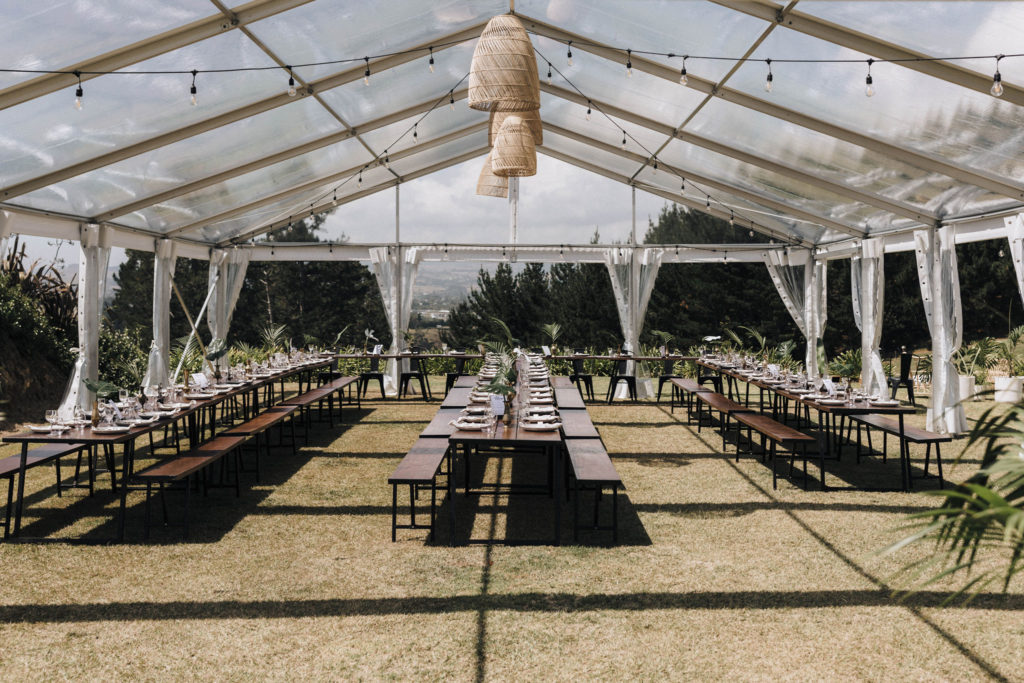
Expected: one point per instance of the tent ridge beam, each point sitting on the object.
(329, 205)
(284, 155)
(875, 47)
(895, 207)
(715, 184)
(924, 161)
(317, 182)
(266, 104)
(678, 199)
(147, 48)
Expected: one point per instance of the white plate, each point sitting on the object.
(542, 400)
(469, 426)
(200, 395)
(541, 410)
(885, 404)
(832, 401)
(475, 410)
(39, 429)
(110, 430)
(541, 427)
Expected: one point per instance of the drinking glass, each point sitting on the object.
(122, 395)
(51, 417)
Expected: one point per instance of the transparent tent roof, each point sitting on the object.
(814, 160)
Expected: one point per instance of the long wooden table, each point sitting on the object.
(94, 440)
(827, 411)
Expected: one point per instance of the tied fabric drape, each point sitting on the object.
(940, 292)
(1015, 234)
(867, 288)
(633, 273)
(93, 256)
(395, 278)
(5, 232)
(163, 274)
(227, 275)
(802, 286)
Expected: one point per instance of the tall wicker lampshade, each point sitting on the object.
(490, 185)
(514, 154)
(530, 118)
(503, 74)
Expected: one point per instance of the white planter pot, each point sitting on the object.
(967, 387)
(1008, 389)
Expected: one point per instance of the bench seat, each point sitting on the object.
(683, 391)
(592, 467)
(725, 407)
(419, 467)
(911, 434)
(318, 395)
(11, 466)
(779, 436)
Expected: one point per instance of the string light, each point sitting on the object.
(707, 201)
(629, 63)
(623, 140)
(655, 159)
(869, 88)
(431, 62)
(387, 160)
(192, 90)
(549, 73)
(588, 110)
(683, 80)
(568, 55)
(1002, 253)
(415, 134)
(334, 202)
(732, 219)
(451, 100)
(78, 91)
(366, 74)
(768, 80)
(291, 82)
(997, 80)
(359, 183)
(682, 186)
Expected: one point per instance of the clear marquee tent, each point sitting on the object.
(932, 160)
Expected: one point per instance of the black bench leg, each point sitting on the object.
(188, 490)
(775, 468)
(927, 457)
(149, 492)
(8, 509)
(433, 506)
(394, 512)
(615, 514)
(938, 462)
(56, 464)
(576, 512)
(412, 504)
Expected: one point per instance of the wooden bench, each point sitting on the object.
(11, 466)
(259, 425)
(725, 407)
(325, 392)
(418, 468)
(181, 468)
(915, 435)
(592, 467)
(683, 391)
(776, 435)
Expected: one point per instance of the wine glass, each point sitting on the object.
(51, 417)
(122, 395)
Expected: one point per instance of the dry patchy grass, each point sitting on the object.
(717, 576)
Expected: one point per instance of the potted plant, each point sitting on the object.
(1009, 376)
(976, 357)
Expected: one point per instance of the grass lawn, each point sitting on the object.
(716, 574)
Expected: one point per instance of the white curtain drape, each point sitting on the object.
(163, 273)
(1015, 234)
(227, 275)
(802, 285)
(5, 232)
(633, 273)
(93, 256)
(867, 287)
(940, 291)
(395, 271)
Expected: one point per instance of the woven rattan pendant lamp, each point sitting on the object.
(514, 154)
(530, 118)
(503, 74)
(490, 185)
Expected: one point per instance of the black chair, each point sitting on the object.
(904, 380)
(668, 372)
(374, 373)
(452, 377)
(581, 378)
(419, 374)
(620, 375)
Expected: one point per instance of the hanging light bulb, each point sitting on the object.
(387, 160)
(768, 80)
(629, 63)
(366, 74)
(568, 56)
(751, 231)
(655, 165)
(732, 219)
(359, 182)
(1002, 253)
(451, 100)
(869, 88)
(707, 201)
(997, 80)
(623, 140)
(415, 134)
(588, 110)
(431, 62)
(549, 73)
(683, 80)
(334, 202)
(192, 90)
(291, 82)
(78, 91)
(682, 186)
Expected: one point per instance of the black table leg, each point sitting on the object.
(451, 496)
(23, 465)
(559, 492)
